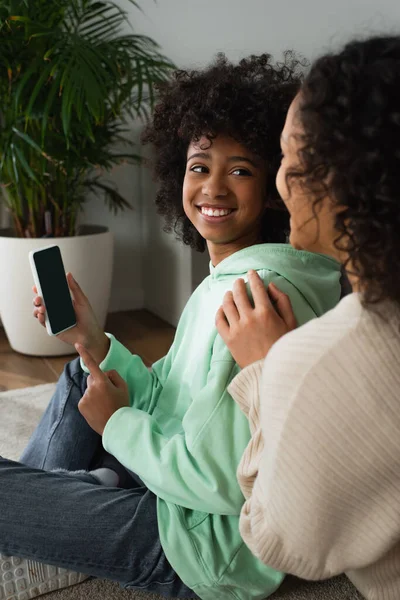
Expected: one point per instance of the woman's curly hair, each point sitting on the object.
(350, 110)
(247, 102)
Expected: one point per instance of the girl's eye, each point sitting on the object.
(241, 172)
(199, 169)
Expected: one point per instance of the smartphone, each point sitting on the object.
(49, 276)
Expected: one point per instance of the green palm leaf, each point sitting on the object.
(28, 140)
(24, 164)
(114, 198)
(69, 76)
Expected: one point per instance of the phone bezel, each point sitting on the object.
(39, 289)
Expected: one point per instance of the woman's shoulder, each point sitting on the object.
(351, 350)
(308, 343)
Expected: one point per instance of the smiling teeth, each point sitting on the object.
(217, 212)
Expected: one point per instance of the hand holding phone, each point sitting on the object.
(86, 330)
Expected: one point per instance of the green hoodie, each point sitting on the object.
(184, 435)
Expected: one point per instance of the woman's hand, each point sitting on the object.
(105, 394)
(87, 331)
(250, 332)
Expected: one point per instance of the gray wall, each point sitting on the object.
(191, 31)
(127, 287)
(151, 267)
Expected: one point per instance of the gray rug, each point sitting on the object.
(20, 411)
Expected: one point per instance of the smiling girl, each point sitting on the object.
(175, 429)
(224, 195)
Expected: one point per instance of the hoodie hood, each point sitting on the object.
(315, 276)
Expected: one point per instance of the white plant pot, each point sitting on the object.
(89, 257)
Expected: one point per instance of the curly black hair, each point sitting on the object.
(247, 102)
(350, 111)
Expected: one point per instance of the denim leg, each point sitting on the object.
(72, 522)
(63, 439)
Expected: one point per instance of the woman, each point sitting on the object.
(321, 475)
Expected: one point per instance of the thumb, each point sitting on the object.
(282, 305)
(76, 290)
(116, 379)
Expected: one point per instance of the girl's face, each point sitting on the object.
(224, 195)
(308, 231)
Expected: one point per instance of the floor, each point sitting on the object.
(139, 330)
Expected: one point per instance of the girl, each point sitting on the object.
(321, 475)
(174, 529)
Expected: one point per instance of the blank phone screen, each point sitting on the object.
(55, 291)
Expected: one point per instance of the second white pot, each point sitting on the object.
(89, 257)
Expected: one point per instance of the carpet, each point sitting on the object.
(20, 411)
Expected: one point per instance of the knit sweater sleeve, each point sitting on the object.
(324, 496)
(244, 389)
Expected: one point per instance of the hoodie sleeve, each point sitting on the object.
(145, 385)
(196, 468)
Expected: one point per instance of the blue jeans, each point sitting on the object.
(72, 521)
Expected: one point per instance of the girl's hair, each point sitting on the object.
(350, 110)
(247, 102)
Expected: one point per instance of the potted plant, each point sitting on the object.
(71, 78)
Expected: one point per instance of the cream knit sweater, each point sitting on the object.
(321, 473)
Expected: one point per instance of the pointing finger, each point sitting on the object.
(92, 365)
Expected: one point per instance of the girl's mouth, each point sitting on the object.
(215, 213)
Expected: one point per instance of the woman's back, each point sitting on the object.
(333, 498)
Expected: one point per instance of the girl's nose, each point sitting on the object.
(214, 187)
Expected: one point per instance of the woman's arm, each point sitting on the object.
(325, 494)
